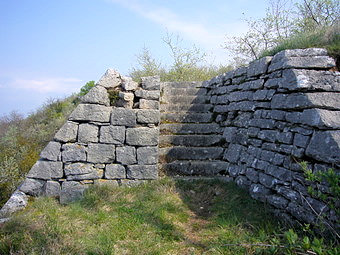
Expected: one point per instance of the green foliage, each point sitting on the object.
(188, 64)
(287, 25)
(86, 88)
(113, 96)
(21, 141)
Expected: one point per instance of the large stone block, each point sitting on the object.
(151, 83)
(67, 133)
(46, 170)
(126, 155)
(128, 84)
(148, 116)
(301, 58)
(142, 172)
(277, 201)
(51, 151)
(73, 153)
(148, 104)
(142, 136)
(52, 189)
(258, 67)
(82, 171)
(91, 112)
(96, 95)
(17, 201)
(88, 133)
(101, 153)
(123, 117)
(71, 191)
(32, 187)
(111, 79)
(115, 171)
(259, 192)
(112, 134)
(232, 154)
(321, 118)
(147, 155)
(148, 94)
(325, 146)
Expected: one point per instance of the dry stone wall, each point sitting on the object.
(111, 137)
(275, 113)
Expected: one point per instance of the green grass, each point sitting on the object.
(164, 217)
(325, 37)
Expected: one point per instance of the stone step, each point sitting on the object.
(211, 128)
(183, 84)
(186, 107)
(182, 99)
(184, 117)
(189, 140)
(170, 154)
(167, 91)
(195, 168)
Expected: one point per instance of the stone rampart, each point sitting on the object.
(277, 112)
(111, 137)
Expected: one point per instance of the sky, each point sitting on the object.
(50, 49)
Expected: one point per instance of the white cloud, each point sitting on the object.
(210, 36)
(45, 86)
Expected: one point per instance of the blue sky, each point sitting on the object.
(49, 49)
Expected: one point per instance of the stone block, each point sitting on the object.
(101, 153)
(112, 134)
(52, 151)
(289, 193)
(128, 84)
(151, 83)
(259, 192)
(277, 201)
(280, 173)
(67, 133)
(148, 116)
(126, 155)
(232, 154)
(301, 140)
(142, 172)
(73, 152)
(285, 137)
(147, 94)
(123, 117)
(96, 95)
(46, 170)
(82, 171)
(32, 187)
(115, 171)
(104, 182)
(91, 112)
(321, 118)
(242, 181)
(252, 175)
(111, 79)
(258, 67)
(52, 189)
(268, 135)
(71, 191)
(16, 202)
(229, 133)
(88, 133)
(148, 104)
(147, 155)
(142, 136)
(325, 146)
(267, 181)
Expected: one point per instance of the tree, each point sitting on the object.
(284, 19)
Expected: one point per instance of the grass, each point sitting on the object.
(325, 37)
(164, 217)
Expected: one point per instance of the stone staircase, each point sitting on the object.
(189, 142)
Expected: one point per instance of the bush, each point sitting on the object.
(188, 64)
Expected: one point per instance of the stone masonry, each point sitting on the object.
(102, 142)
(253, 125)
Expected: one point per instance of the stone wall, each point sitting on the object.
(111, 137)
(277, 112)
